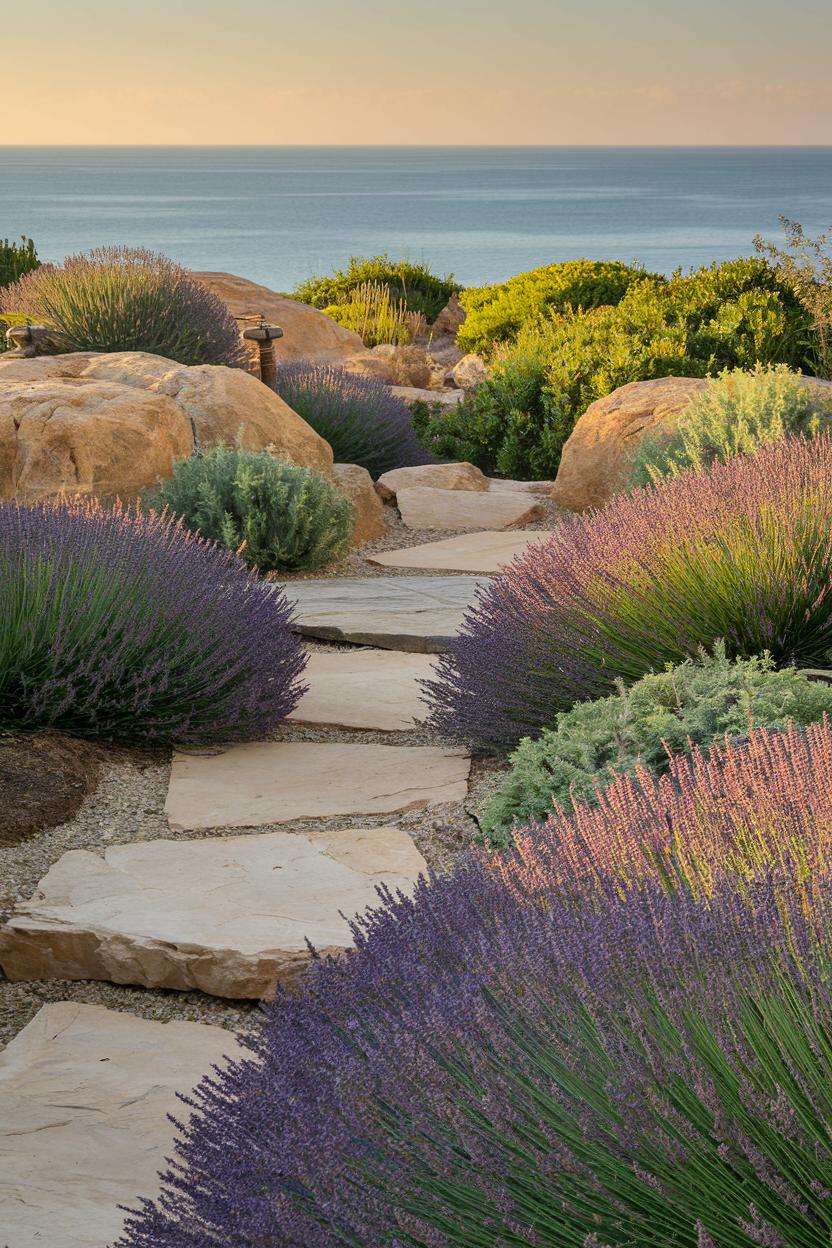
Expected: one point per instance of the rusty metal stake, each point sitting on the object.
(264, 335)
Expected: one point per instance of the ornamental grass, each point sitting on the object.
(539, 1055)
(125, 626)
(741, 552)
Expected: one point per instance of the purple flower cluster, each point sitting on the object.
(742, 552)
(589, 1060)
(122, 625)
(360, 417)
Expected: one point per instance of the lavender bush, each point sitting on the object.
(534, 1057)
(129, 299)
(120, 625)
(360, 417)
(743, 552)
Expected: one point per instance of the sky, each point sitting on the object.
(432, 71)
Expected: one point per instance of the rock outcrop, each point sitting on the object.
(112, 424)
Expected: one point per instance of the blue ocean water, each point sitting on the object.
(279, 214)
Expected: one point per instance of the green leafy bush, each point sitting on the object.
(738, 414)
(421, 290)
(129, 299)
(16, 259)
(276, 514)
(732, 315)
(497, 313)
(695, 703)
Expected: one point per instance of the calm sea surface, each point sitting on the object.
(279, 214)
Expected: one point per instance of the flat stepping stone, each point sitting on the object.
(231, 916)
(85, 1095)
(470, 552)
(278, 781)
(423, 507)
(416, 613)
(520, 487)
(376, 689)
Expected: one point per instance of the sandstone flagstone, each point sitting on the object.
(461, 476)
(377, 689)
(422, 507)
(418, 613)
(487, 551)
(279, 781)
(85, 1095)
(231, 916)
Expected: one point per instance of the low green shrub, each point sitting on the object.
(732, 315)
(129, 299)
(738, 414)
(695, 703)
(16, 259)
(497, 313)
(421, 290)
(275, 514)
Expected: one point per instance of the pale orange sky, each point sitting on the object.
(473, 71)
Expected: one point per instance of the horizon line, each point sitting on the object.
(445, 146)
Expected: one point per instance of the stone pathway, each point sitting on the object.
(231, 916)
(85, 1095)
(376, 689)
(469, 552)
(414, 613)
(280, 781)
(422, 507)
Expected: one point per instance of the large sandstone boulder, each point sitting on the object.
(112, 424)
(308, 333)
(369, 518)
(596, 458)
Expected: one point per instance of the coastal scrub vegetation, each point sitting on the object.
(16, 259)
(275, 514)
(360, 417)
(731, 315)
(805, 266)
(413, 284)
(740, 412)
(377, 316)
(615, 1038)
(124, 626)
(128, 299)
(697, 702)
(742, 552)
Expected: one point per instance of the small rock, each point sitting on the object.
(462, 476)
(413, 394)
(471, 371)
(357, 484)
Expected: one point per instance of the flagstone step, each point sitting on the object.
(85, 1095)
(375, 689)
(424, 507)
(488, 551)
(414, 613)
(279, 781)
(231, 916)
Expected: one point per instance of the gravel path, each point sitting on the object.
(128, 805)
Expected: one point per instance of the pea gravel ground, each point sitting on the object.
(128, 805)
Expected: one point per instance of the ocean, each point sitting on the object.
(279, 214)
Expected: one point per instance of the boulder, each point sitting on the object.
(450, 318)
(424, 508)
(112, 424)
(414, 394)
(308, 333)
(502, 484)
(398, 366)
(460, 476)
(370, 520)
(597, 455)
(471, 371)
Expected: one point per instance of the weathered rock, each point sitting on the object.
(231, 916)
(398, 366)
(470, 552)
(498, 484)
(471, 371)
(424, 508)
(450, 318)
(112, 424)
(357, 484)
(445, 352)
(375, 689)
(414, 613)
(438, 476)
(85, 1095)
(308, 333)
(280, 781)
(597, 455)
(412, 394)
